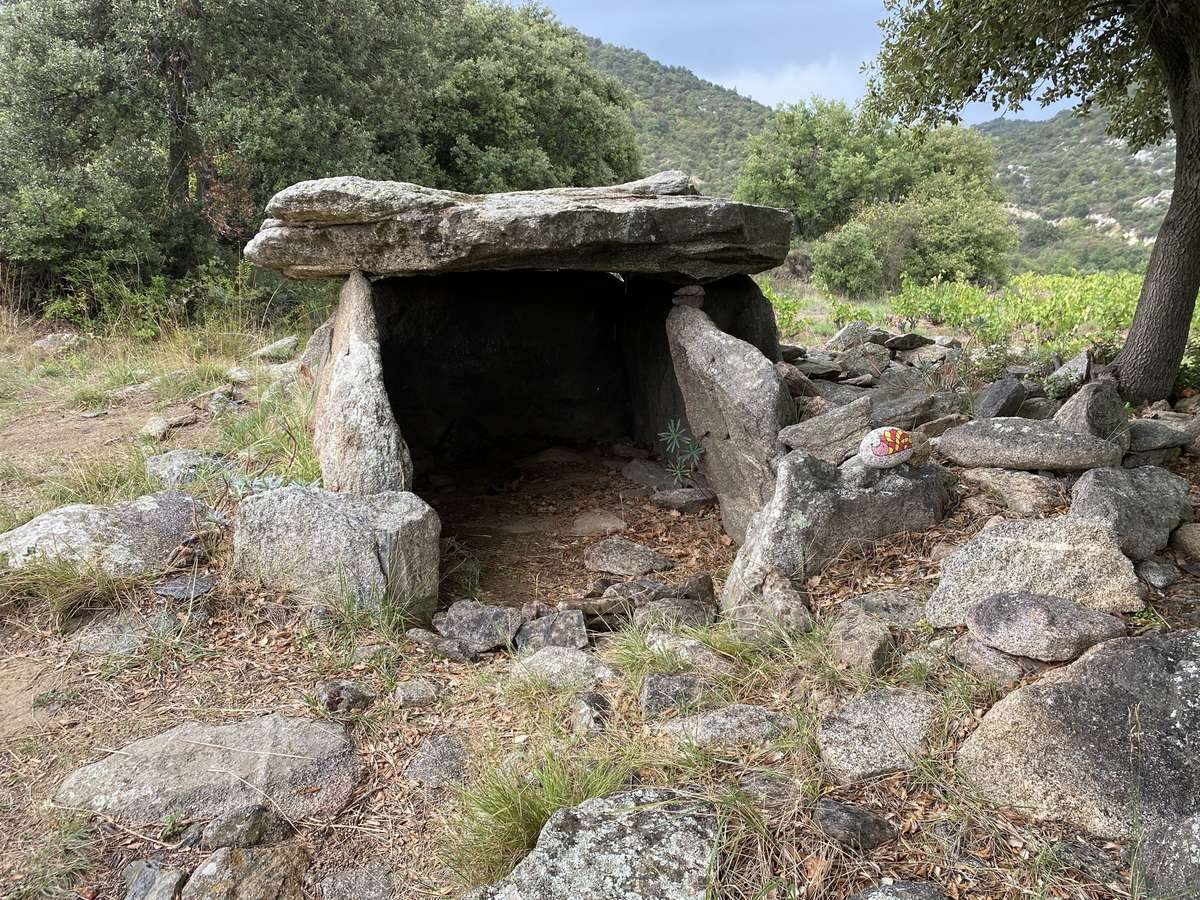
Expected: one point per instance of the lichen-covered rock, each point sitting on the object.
(308, 769)
(1066, 556)
(817, 511)
(902, 890)
(563, 667)
(270, 873)
(127, 539)
(1143, 505)
(148, 879)
(565, 628)
(355, 435)
(1147, 435)
(1025, 493)
(179, 468)
(621, 556)
(1047, 628)
(1106, 744)
(647, 844)
(373, 881)
(662, 693)
(656, 226)
(440, 761)
(1169, 860)
(1014, 443)
(736, 406)
(415, 693)
(733, 726)
(479, 626)
(989, 664)
(852, 826)
(861, 642)
(1097, 409)
(833, 436)
(881, 731)
(674, 611)
(319, 543)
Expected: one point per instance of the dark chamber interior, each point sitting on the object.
(484, 366)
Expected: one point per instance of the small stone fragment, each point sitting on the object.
(415, 693)
(1000, 398)
(590, 713)
(620, 556)
(733, 726)
(852, 826)
(245, 827)
(146, 879)
(1157, 573)
(861, 642)
(343, 696)
(673, 612)
(440, 761)
(685, 500)
(559, 629)
(663, 693)
(267, 873)
(885, 448)
(563, 667)
(479, 626)
(448, 648)
(902, 890)
(877, 733)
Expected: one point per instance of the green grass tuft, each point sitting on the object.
(63, 589)
(274, 438)
(122, 477)
(60, 863)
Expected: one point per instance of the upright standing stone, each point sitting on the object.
(736, 406)
(356, 437)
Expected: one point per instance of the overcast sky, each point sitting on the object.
(776, 51)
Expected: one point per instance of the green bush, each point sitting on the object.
(847, 262)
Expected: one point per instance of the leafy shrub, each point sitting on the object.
(847, 262)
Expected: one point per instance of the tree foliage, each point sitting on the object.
(150, 134)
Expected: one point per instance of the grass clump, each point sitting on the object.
(63, 589)
(500, 814)
(274, 438)
(65, 857)
(122, 477)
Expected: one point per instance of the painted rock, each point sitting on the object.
(884, 448)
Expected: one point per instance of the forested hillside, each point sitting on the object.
(682, 121)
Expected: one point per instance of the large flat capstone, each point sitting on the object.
(658, 226)
(305, 768)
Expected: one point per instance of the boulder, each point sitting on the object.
(989, 664)
(1186, 540)
(1050, 629)
(833, 436)
(913, 408)
(817, 511)
(882, 731)
(563, 667)
(447, 648)
(865, 359)
(907, 341)
(1143, 505)
(1169, 859)
(651, 474)
(736, 406)
(1105, 744)
(778, 610)
(663, 693)
(1013, 443)
(124, 540)
(1000, 398)
(1097, 409)
(621, 556)
(1147, 435)
(1066, 556)
(373, 549)
(733, 726)
(1025, 493)
(269, 873)
(558, 629)
(355, 435)
(798, 384)
(308, 769)
(851, 335)
(646, 844)
(479, 626)
(656, 226)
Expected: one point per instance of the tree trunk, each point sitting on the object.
(1149, 362)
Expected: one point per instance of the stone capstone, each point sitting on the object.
(1105, 744)
(1015, 443)
(647, 844)
(736, 406)
(1143, 505)
(369, 549)
(308, 770)
(1067, 556)
(134, 538)
(657, 226)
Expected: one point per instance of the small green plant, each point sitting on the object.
(500, 814)
(683, 451)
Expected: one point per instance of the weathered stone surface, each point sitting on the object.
(882, 731)
(1000, 398)
(901, 608)
(1065, 556)
(57, 342)
(733, 726)
(125, 539)
(674, 612)
(246, 827)
(1097, 409)
(373, 881)
(798, 384)
(1013, 443)
(1152, 457)
(989, 664)
(621, 556)
(1106, 744)
(1157, 573)
(440, 761)
(355, 434)
(1047, 628)
(778, 610)
(1038, 408)
(1143, 505)
(1169, 860)
(415, 693)
(939, 426)
(308, 769)
(852, 826)
(865, 359)
(147, 879)
(597, 521)
(447, 648)
(851, 335)
(902, 890)
(276, 351)
(320, 543)
(342, 695)
(651, 474)
(478, 625)
(860, 641)
(317, 350)
(1071, 375)
(736, 406)
(656, 226)
(685, 500)
(1186, 540)
(907, 341)
(663, 693)
(272, 873)
(688, 651)
(179, 468)
(1146, 435)
(833, 436)
(590, 713)
(647, 844)
(1025, 493)
(563, 667)
(558, 629)
(817, 511)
